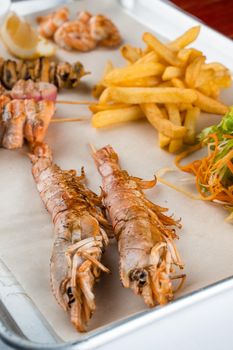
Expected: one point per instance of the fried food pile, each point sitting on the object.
(84, 33)
(168, 84)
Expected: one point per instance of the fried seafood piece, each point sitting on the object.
(61, 74)
(145, 238)
(80, 237)
(50, 23)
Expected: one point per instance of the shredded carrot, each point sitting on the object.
(209, 170)
(230, 166)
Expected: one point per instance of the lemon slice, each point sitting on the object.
(22, 40)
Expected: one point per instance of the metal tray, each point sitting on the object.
(25, 321)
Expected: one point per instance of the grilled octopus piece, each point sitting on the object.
(79, 235)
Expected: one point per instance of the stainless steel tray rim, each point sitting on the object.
(100, 336)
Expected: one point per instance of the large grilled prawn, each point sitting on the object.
(79, 235)
(145, 239)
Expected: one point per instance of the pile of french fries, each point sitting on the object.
(169, 84)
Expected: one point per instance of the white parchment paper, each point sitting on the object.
(26, 231)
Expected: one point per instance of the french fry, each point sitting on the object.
(171, 72)
(175, 118)
(133, 72)
(204, 77)
(164, 112)
(103, 107)
(193, 71)
(216, 66)
(223, 82)
(185, 106)
(190, 124)
(162, 50)
(210, 105)
(178, 83)
(148, 95)
(151, 56)
(188, 55)
(105, 97)
(173, 113)
(114, 116)
(130, 53)
(209, 89)
(140, 82)
(99, 88)
(164, 126)
(163, 140)
(175, 145)
(164, 84)
(185, 39)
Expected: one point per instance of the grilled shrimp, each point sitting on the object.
(104, 31)
(38, 116)
(4, 100)
(23, 119)
(145, 240)
(80, 237)
(84, 16)
(75, 35)
(14, 118)
(50, 23)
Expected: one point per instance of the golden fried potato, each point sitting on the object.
(130, 53)
(116, 116)
(155, 117)
(193, 71)
(99, 88)
(190, 124)
(171, 72)
(163, 140)
(162, 50)
(210, 105)
(185, 39)
(148, 95)
(133, 72)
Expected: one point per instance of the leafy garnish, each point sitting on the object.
(214, 173)
(224, 127)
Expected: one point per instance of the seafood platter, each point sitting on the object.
(116, 147)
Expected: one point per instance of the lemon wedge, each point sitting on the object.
(22, 40)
